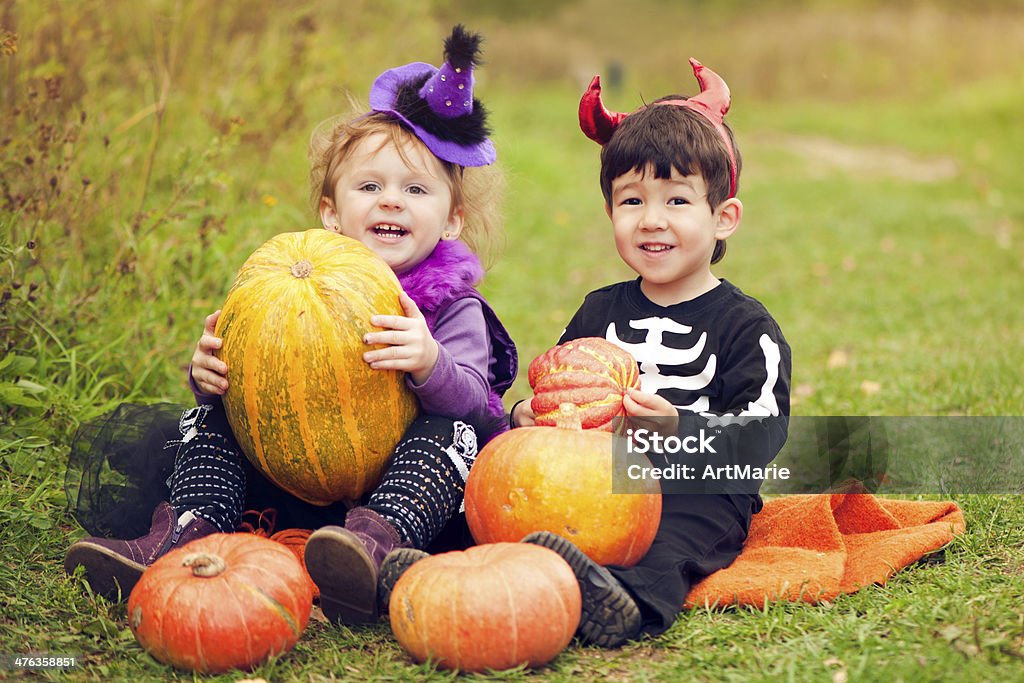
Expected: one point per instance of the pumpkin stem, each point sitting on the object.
(302, 269)
(568, 417)
(204, 564)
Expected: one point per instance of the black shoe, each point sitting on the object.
(391, 569)
(610, 615)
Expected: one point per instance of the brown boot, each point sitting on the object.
(344, 563)
(112, 567)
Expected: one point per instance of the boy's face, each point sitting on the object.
(666, 232)
(399, 210)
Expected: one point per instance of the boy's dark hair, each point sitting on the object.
(666, 137)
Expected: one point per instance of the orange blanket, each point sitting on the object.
(813, 548)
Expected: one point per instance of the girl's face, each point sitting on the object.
(399, 210)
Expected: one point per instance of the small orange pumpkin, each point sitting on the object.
(591, 373)
(222, 602)
(560, 480)
(305, 408)
(490, 607)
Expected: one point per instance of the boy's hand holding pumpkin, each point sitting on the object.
(523, 415)
(640, 405)
(409, 345)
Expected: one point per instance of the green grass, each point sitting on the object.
(883, 229)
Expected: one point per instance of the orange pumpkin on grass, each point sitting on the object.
(490, 607)
(560, 480)
(591, 373)
(306, 409)
(221, 602)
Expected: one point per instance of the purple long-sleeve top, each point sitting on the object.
(460, 384)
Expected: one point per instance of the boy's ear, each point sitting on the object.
(453, 228)
(729, 214)
(329, 215)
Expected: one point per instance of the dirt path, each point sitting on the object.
(825, 154)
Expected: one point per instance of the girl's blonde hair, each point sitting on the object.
(478, 190)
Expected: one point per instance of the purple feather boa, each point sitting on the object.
(450, 268)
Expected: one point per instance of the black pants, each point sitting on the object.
(699, 534)
(430, 433)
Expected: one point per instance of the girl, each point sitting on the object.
(395, 179)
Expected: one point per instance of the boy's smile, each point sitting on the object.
(666, 232)
(397, 203)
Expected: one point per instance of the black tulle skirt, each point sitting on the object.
(119, 466)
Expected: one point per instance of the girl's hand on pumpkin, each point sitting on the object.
(640, 405)
(209, 372)
(409, 346)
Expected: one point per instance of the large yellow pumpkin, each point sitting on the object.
(304, 406)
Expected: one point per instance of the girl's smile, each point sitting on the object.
(389, 232)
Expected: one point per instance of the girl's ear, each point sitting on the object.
(329, 215)
(728, 216)
(453, 228)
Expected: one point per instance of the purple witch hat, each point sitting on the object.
(438, 103)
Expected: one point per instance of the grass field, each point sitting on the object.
(147, 149)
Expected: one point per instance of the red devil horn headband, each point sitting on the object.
(712, 103)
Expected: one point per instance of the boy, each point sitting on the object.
(669, 174)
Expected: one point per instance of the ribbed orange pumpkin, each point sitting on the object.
(590, 372)
(226, 601)
(304, 406)
(490, 607)
(560, 480)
